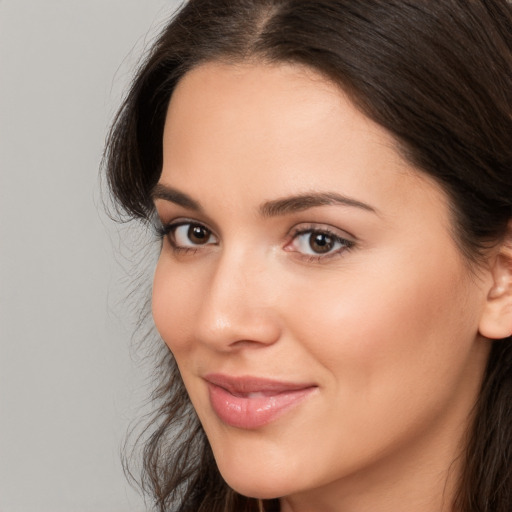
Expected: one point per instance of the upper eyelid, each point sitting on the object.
(180, 221)
(338, 237)
(166, 220)
(322, 228)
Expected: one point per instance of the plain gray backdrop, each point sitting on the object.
(68, 385)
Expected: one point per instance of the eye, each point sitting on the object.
(318, 242)
(191, 234)
(188, 235)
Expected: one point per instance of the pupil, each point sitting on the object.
(197, 234)
(321, 242)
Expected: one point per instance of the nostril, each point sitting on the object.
(247, 344)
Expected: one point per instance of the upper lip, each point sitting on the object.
(250, 384)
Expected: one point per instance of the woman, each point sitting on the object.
(332, 182)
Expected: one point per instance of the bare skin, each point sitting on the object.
(360, 291)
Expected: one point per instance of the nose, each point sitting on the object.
(238, 308)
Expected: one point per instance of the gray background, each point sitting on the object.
(68, 383)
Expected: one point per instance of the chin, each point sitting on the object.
(254, 489)
(255, 482)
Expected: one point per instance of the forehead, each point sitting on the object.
(244, 83)
(264, 131)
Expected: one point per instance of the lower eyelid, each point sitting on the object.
(183, 250)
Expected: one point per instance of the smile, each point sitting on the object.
(250, 402)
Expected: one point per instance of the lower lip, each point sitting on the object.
(255, 411)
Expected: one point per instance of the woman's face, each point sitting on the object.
(322, 317)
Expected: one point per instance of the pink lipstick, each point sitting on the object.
(251, 402)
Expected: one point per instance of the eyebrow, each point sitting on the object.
(303, 202)
(272, 208)
(174, 196)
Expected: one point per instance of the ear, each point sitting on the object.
(496, 319)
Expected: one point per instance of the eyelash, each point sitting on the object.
(168, 230)
(310, 230)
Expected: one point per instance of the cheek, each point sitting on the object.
(376, 329)
(175, 297)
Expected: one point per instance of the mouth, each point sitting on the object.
(252, 402)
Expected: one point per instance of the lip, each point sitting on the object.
(252, 402)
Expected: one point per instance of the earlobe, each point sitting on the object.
(496, 320)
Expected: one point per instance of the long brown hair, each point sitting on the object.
(437, 74)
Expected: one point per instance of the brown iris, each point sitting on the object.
(198, 234)
(321, 242)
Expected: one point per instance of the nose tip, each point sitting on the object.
(240, 326)
(238, 310)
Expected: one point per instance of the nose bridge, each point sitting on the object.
(238, 303)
